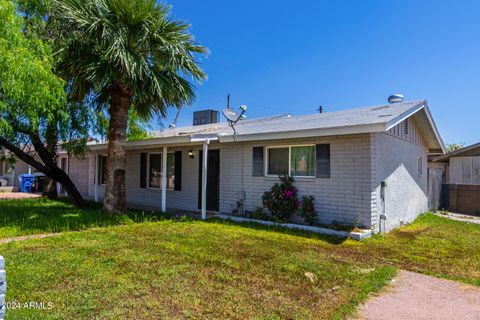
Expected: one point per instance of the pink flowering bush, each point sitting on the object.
(282, 199)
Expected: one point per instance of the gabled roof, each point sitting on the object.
(378, 118)
(459, 152)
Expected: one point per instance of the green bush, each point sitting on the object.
(282, 199)
(260, 214)
(307, 210)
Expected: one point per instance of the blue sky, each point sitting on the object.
(279, 56)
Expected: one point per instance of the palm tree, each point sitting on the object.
(127, 54)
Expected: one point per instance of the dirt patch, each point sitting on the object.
(18, 195)
(416, 296)
(33, 236)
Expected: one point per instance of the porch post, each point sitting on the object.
(95, 187)
(164, 179)
(204, 179)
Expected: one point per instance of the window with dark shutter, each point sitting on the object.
(102, 170)
(323, 161)
(143, 170)
(258, 164)
(178, 171)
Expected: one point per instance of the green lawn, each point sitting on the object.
(220, 270)
(40, 215)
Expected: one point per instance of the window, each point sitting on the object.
(296, 160)
(170, 171)
(420, 165)
(102, 174)
(155, 171)
(278, 161)
(405, 127)
(303, 161)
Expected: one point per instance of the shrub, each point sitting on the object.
(282, 199)
(307, 210)
(260, 214)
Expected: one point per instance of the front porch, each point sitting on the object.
(179, 179)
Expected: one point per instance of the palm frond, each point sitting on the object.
(131, 42)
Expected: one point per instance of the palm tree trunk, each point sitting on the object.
(115, 195)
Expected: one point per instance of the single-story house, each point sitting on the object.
(460, 171)
(364, 166)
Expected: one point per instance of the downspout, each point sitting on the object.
(204, 178)
(383, 215)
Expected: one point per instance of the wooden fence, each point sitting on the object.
(464, 170)
(464, 198)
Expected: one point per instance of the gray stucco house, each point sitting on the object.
(364, 166)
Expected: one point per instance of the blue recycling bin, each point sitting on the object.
(26, 182)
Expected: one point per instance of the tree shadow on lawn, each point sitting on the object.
(40, 215)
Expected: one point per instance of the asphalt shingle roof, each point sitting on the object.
(283, 123)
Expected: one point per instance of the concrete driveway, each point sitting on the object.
(415, 296)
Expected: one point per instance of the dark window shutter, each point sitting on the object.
(178, 171)
(258, 164)
(323, 161)
(143, 170)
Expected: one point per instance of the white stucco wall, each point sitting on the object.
(406, 190)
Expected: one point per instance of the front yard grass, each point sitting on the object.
(21, 217)
(221, 270)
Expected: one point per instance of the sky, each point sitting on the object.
(293, 56)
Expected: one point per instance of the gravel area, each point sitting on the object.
(415, 296)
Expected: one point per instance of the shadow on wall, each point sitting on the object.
(401, 197)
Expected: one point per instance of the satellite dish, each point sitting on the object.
(233, 115)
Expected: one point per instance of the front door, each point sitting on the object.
(213, 180)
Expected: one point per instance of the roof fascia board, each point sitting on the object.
(421, 106)
(357, 129)
(145, 143)
(457, 152)
(434, 127)
(392, 123)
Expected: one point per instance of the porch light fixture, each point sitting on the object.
(190, 154)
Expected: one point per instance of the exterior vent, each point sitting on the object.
(395, 98)
(205, 117)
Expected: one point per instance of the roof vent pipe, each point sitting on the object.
(395, 98)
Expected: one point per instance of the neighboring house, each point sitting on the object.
(9, 173)
(364, 166)
(461, 174)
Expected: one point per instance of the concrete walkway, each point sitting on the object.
(415, 296)
(460, 217)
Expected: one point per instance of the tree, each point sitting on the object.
(130, 55)
(454, 146)
(34, 113)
